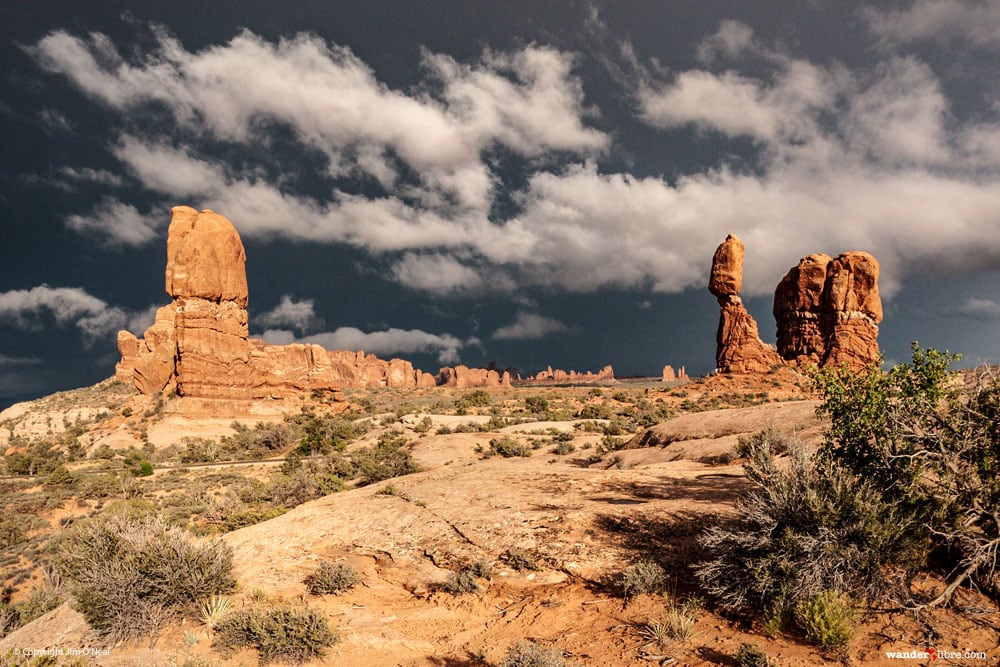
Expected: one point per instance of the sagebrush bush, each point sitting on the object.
(530, 654)
(463, 581)
(827, 619)
(385, 460)
(284, 633)
(128, 574)
(332, 579)
(508, 447)
(643, 577)
(521, 559)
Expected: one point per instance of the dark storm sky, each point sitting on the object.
(530, 183)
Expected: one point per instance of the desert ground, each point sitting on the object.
(602, 478)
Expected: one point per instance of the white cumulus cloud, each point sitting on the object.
(96, 319)
(528, 326)
(391, 341)
(975, 21)
(299, 315)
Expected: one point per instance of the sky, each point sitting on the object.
(520, 182)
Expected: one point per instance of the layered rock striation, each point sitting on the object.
(828, 310)
(199, 343)
(739, 348)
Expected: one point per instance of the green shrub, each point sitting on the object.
(332, 579)
(803, 530)
(475, 399)
(751, 655)
(37, 457)
(643, 577)
(137, 465)
(263, 440)
(828, 618)
(932, 445)
(530, 654)
(538, 405)
(282, 634)
(564, 448)
(385, 460)
(322, 434)
(594, 411)
(508, 447)
(128, 575)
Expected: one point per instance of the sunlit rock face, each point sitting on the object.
(739, 348)
(828, 310)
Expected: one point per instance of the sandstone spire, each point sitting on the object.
(738, 345)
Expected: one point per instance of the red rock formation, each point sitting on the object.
(738, 345)
(200, 344)
(669, 375)
(828, 310)
(463, 376)
(557, 376)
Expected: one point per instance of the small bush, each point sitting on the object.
(385, 460)
(519, 560)
(751, 655)
(536, 404)
(477, 399)
(128, 575)
(594, 411)
(481, 568)
(530, 654)
(508, 447)
(286, 634)
(215, 609)
(643, 577)
(680, 620)
(564, 448)
(768, 441)
(827, 619)
(463, 581)
(332, 579)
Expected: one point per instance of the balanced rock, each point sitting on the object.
(739, 348)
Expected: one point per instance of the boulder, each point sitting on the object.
(726, 278)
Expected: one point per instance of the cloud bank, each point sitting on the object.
(70, 306)
(871, 159)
